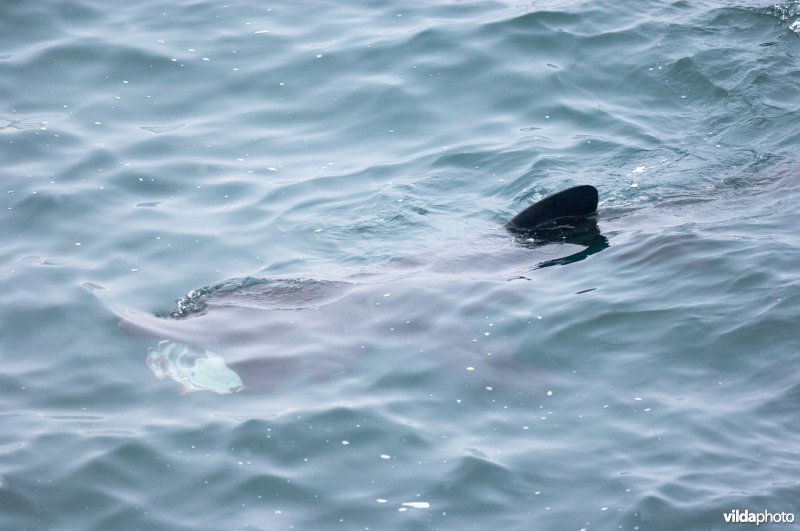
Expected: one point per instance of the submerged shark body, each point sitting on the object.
(257, 323)
(274, 331)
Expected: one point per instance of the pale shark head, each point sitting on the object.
(193, 369)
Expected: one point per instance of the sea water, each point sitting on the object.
(152, 148)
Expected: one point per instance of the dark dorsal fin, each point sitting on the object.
(575, 201)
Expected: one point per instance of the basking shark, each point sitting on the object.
(263, 324)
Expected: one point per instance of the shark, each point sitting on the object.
(260, 323)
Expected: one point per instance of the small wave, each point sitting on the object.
(23, 123)
(163, 129)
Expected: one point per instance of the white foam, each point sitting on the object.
(417, 505)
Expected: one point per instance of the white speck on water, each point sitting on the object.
(470, 368)
(134, 269)
(261, 31)
(640, 169)
(603, 508)
(381, 500)
(387, 294)
(489, 388)
(345, 443)
(417, 505)
(206, 59)
(78, 244)
(549, 393)
(637, 398)
(385, 456)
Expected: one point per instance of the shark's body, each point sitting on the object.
(257, 333)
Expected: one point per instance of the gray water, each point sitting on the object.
(154, 148)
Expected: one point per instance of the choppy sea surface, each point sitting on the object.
(412, 366)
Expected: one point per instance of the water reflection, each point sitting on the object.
(580, 230)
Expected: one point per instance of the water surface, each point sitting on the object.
(153, 148)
